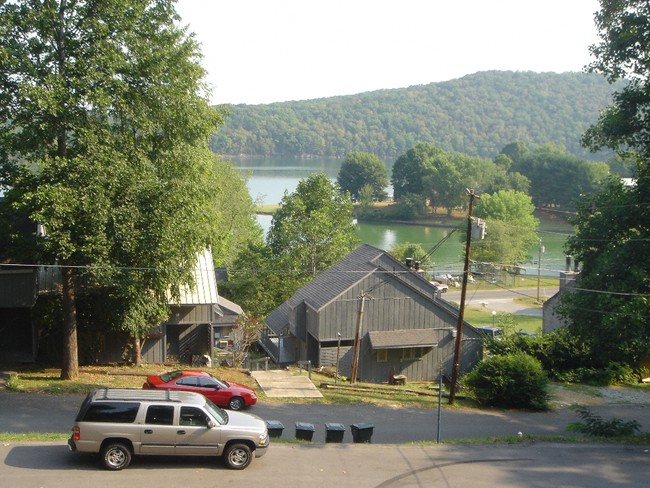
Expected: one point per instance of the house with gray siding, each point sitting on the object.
(200, 322)
(550, 319)
(403, 324)
(18, 336)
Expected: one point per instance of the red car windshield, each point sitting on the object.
(221, 383)
(167, 377)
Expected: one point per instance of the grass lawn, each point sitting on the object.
(480, 318)
(47, 380)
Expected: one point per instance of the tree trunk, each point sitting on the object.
(137, 351)
(70, 366)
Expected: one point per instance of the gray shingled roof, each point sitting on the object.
(394, 339)
(331, 283)
(278, 319)
(225, 304)
(328, 284)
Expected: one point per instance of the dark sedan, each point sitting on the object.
(231, 395)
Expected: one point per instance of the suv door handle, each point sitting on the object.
(148, 431)
(180, 432)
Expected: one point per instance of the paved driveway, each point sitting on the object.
(282, 383)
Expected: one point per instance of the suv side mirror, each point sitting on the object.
(211, 424)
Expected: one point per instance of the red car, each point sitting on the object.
(231, 395)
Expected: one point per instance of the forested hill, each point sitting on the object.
(478, 115)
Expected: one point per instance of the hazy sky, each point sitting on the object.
(263, 51)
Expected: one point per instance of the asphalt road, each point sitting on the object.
(32, 412)
(51, 465)
(389, 461)
(501, 300)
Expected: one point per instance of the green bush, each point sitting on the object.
(512, 381)
(410, 206)
(595, 426)
(565, 358)
(613, 374)
(558, 351)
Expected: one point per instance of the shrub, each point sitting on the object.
(12, 383)
(411, 206)
(595, 426)
(565, 357)
(512, 381)
(614, 373)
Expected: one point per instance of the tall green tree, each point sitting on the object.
(440, 177)
(558, 178)
(258, 281)
(411, 168)
(511, 228)
(104, 141)
(444, 183)
(623, 53)
(609, 308)
(314, 227)
(237, 224)
(360, 169)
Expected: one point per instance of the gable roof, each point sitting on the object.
(226, 305)
(204, 290)
(331, 283)
(328, 284)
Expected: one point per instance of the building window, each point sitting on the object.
(382, 355)
(408, 353)
(412, 353)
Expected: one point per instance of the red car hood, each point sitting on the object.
(242, 388)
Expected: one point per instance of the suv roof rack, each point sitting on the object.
(135, 394)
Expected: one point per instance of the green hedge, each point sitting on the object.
(511, 381)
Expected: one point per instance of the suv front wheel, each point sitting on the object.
(238, 456)
(116, 456)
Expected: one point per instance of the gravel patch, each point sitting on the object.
(562, 396)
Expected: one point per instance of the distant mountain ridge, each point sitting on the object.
(477, 114)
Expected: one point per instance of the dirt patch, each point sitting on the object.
(564, 396)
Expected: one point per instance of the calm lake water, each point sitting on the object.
(270, 178)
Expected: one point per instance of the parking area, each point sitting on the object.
(282, 383)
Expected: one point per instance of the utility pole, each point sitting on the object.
(461, 311)
(338, 355)
(357, 339)
(539, 267)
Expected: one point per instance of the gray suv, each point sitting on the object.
(120, 423)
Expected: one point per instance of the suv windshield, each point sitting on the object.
(219, 414)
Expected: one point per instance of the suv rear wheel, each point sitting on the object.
(116, 456)
(238, 456)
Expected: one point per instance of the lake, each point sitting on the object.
(270, 178)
